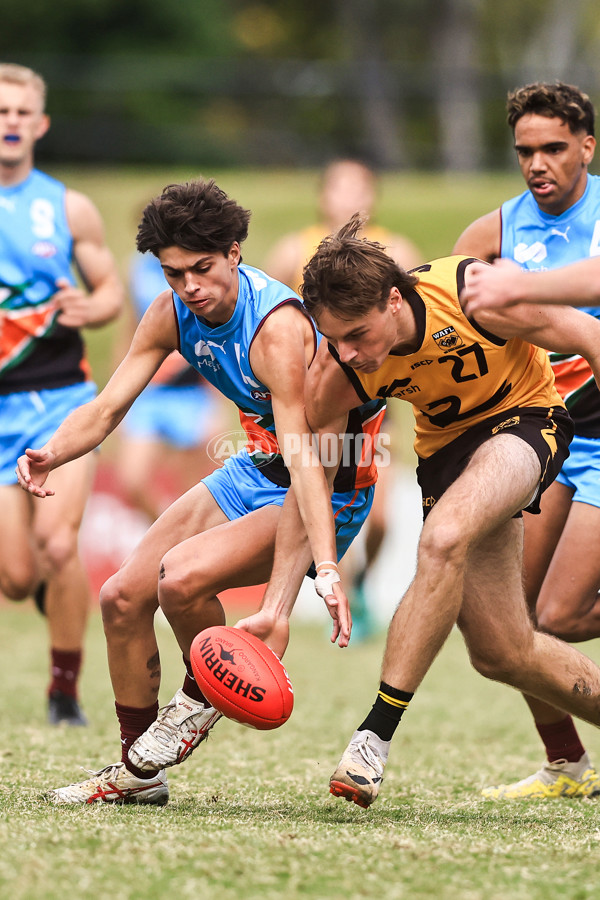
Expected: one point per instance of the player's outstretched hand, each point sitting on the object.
(274, 630)
(329, 587)
(32, 470)
(492, 287)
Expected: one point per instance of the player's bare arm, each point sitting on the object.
(506, 284)
(86, 427)
(271, 623)
(329, 398)
(330, 394)
(561, 329)
(482, 238)
(104, 294)
(280, 357)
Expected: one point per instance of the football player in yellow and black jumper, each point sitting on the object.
(491, 434)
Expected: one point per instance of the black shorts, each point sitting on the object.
(534, 425)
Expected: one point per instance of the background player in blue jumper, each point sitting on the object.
(45, 230)
(556, 221)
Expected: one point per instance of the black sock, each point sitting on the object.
(386, 712)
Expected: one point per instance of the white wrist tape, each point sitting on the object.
(325, 580)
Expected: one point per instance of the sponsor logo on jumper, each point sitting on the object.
(399, 387)
(421, 362)
(447, 339)
(428, 501)
(563, 234)
(205, 355)
(525, 253)
(508, 423)
(227, 671)
(261, 395)
(44, 249)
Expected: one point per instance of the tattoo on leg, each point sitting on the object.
(153, 665)
(162, 572)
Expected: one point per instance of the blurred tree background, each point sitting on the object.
(418, 84)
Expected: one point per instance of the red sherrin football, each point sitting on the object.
(242, 677)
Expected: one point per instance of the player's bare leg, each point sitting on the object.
(129, 598)
(561, 569)
(541, 537)
(128, 602)
(518, 655)
(191, 576)
(473, 506)
(196, 570)
(19, 571)
(499, 480)
(56, 528)
(41, 544)
(568, 605)
(503, 644)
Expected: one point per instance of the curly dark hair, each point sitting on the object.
(349, 276)
(564, 101)
(196, 215)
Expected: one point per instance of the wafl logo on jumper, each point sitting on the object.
(231, 666)
(447, 339)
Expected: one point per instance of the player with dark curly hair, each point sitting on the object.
(556, 221)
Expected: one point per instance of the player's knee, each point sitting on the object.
(121, 606)
(178, 587)
(494, 666)
(58, 547)
(17, 581)
(442, 545)
(174, 588)
(500, 663)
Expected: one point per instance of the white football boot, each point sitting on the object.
(179, 727)
(359, 773)
(114, 784)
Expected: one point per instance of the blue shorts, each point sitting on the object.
(581, 471)
(239, 487)
(30, 418)
(179, 416)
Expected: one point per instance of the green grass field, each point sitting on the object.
(250, 816)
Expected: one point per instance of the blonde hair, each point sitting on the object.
(15, 74)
